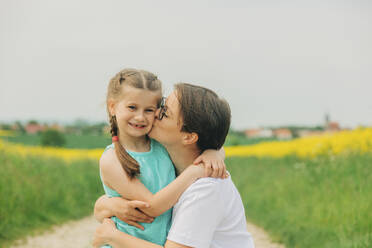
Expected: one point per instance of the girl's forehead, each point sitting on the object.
(143, 95)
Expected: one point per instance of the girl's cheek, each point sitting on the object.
(151, 117)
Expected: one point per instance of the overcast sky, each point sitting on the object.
(275, 63)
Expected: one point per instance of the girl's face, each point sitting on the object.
(135, 111)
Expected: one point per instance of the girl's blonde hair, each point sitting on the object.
(139, 79)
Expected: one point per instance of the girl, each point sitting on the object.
(136, 167)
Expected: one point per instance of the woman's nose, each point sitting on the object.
(157, 112)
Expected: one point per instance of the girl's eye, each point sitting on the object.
(132, 107)
(149, 110)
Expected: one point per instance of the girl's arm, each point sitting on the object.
(132, 189)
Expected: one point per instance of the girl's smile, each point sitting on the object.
(137, 126)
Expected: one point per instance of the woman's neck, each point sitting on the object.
(135, 144)
(183, 156)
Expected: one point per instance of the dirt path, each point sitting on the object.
(260, 237)
(78, 234)
(73, 234)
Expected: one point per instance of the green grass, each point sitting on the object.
(36, 193)
(326, 202)
(233, 139)
(72, 140)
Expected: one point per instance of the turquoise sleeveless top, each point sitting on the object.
(157, 171)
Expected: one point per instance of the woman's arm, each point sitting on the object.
(114, 177)
(107, 233)
(119, 240)
(102, 209)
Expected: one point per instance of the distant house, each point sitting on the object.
(259, 133)
(283, 133)
(33, 128)
(333, 127)
(252, 133)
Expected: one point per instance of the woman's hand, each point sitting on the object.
(213, 161)
(103, 233)
(127, 211)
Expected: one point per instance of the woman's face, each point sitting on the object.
(167, 131)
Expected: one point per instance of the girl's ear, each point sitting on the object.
(189, 138)
(111, 107)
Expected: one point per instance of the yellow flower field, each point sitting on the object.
(64, 153)
(359, 140)
(355, 141)
(6, 133)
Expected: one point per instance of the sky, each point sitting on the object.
(275, 62)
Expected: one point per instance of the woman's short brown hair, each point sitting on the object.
(205, 113)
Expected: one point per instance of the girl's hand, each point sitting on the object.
(103, 233)
(196, 170)
(214, 163)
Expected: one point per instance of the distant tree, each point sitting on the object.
(96, 129)
(33, 122)
(52, 137)
(19, 127)
(319, 128)
(294, 132)
(5, 127)
(232, 140)
(80, 123)
(235, 132)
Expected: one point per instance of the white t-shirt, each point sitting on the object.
(210, 214)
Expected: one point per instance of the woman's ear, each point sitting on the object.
(190, 138)
(111, 107)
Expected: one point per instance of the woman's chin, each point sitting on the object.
(152, 133)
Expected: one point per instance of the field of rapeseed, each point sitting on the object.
(345, 142)
(6, 133)
(62, 153)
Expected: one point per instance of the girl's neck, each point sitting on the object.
(135, 144)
